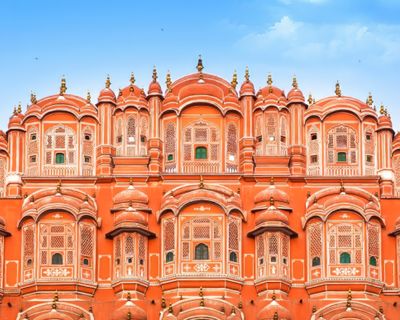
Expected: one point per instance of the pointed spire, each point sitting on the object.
(168, 81)
(310, 99)
(154, 76)
(370, 101)
(19, 109)
(338, 91)
(234, 81)
(200, 66)
(108, 82)
(33, 98)
(271, 201)
(15, 110)
(276, 316)
(88, 97)
(294, 82)
(247, 74)
(63, 87)
(132, 79)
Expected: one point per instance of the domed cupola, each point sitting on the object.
(16, 119)
(396, 142)
(132, 95)
(107, 94)
(154, 87)
(270, 95)
(247, 87)
(295, 94)
(129, 310)
(130, 197)
(384, 121)
(262, 199)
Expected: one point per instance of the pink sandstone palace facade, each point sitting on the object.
(207, 200)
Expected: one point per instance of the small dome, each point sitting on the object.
(15, 121)
(270, 311)
(295, 95)
(107, 95)
(271, 215)
(273, 192)
(130, 196)
(384, 121)
(247, 88)
(154, 89)
(130, 217)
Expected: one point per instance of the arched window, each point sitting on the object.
(233, 257)
(57, 258)
(342, 146)
(131, 136)
(314, 167)
(231, 148)
(201, 153)
(201, 252)
(283, 136)
(32, 152)
(372, 261)
(169, 257)
(345, 257)
(60, 151)
(170, 147)
(87, 151)
(316, 261)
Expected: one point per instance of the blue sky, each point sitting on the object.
(354, 41)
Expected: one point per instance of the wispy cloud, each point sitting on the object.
(301, 40)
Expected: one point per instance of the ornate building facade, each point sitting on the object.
(200, 202)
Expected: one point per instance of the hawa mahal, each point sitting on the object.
(203, 201)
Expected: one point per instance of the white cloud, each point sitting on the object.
(300, 40)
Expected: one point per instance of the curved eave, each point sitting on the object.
(5, 233)
(328, 110)
(77, 114)
(272, 227)
(115, 232)
(125, 105)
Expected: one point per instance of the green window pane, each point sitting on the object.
(201, 252)
(372, 261)
(201, 153)
(316, 261)
(60, 158)
(341, 157)
(170, 157)
(345, 257)
(169, 257)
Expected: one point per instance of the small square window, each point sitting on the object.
(261, 261)
(141, 262)
(170, 157)
(88, 136)
(368, 137)
(119, 139)
(60, 158)
(284, 260)
(143, 139)
(33, 137)
(129, 260)
(369, 158)
(283, 139)
(273, 259)
(342, 157)
(314, 136)
(85, 261)
(88, 159)
(259, 138)
(32, 159)
(314, 158)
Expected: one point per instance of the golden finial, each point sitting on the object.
(91, 309)
(273, 296)
(233, 311)
(15, 110)
(201, 186)
(119, 92)
(132, 79)
(381, 309)
(88, 97)
(240, 305)
(314, 309)
(294, 82)
(276, 317)
(58, 189)
(200, 66)
(163, 303)
(271, 201)
(272, 181)
(128, 296)
(338, 91)
(86, 199)
(168, 81)
(269, 80)
(369, 99)
(130, 181)
(247, 74)
(55, 298)
(386, 112)
(129, 316)
(342, 187)
(349, 295)
(382, 109)
(33, 98)
(54, 306)
(63, 87)
(201, 293)
(170, 310)
(154, 74)
(234, 81)
(310, 99)
(26, 317)
(108, 82)
(19, 109)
